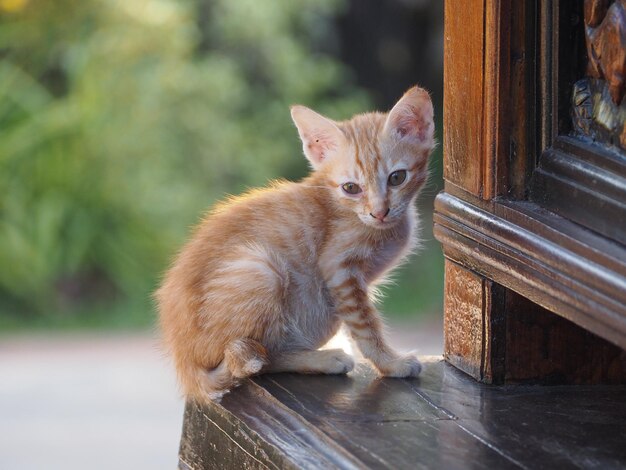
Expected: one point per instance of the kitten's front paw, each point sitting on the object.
(404, 366)
(336, 361)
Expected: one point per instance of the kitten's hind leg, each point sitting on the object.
(214, 383)
(326, 361)
(242, 358)
(245, 357)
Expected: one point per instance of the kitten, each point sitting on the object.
(268, 277)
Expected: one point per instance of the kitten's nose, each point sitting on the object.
(381, 214)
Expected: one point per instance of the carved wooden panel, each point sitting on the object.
(605, 34)
(598, 108)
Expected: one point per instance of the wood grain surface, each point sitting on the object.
(473, 331)
(444, 419)
(463, 115)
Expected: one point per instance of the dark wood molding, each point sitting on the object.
(584, 183)
(545, 258)
(520, 138)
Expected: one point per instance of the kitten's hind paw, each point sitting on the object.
(245, 357)
(404, 366)
(216, 396)
(252, 367)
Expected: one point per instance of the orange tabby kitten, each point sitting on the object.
(270, 276)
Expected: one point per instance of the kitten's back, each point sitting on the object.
(229, 280)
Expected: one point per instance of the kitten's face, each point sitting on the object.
(379, 174)
(375, 163)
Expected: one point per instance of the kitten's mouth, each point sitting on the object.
(377, 223)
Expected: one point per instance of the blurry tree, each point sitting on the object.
(121, 120)
(392, 45)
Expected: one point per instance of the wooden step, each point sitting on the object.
(444, 419)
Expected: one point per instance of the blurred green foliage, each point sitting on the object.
(121, 121)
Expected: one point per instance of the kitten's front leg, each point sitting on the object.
(363, 320)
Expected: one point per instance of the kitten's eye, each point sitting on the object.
(397, 177)
(351, 188)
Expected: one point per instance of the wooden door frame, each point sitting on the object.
(494, 239)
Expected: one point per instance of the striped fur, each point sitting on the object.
(268, 277)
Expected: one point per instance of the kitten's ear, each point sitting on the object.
(320, 136)
(412, 117)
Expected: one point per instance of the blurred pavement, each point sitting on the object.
(96, 402)
(107, 401)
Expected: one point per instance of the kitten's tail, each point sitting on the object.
(242, 358)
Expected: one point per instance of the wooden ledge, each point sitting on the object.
(444, 419)
(555, 263)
